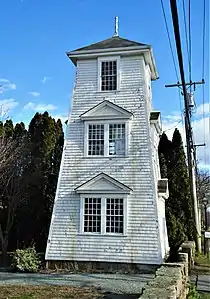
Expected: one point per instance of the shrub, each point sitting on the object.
(193, 294)
(26, 260)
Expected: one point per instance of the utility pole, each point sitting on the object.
(188, 128)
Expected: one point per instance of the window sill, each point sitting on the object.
(108, 91)
(102, 235)
(105, 157)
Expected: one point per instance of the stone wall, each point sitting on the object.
(101, 267)
(189, 248)
(171, 281)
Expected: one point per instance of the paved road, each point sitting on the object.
(203, 283)
(112, 283)
(117, 284)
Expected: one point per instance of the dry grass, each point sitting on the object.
(44, 292)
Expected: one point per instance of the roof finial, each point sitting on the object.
(116, 26)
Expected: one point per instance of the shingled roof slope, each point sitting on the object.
(113, 42)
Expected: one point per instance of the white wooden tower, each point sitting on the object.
(110, 199)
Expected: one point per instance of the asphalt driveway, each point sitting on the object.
(117, 284)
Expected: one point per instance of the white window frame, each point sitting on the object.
(108, 58)
(106, 137)
(103, 213)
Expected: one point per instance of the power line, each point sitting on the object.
(186, 35)
(169, 39)
(204, 27)
(203, 73)
(175, 126)
(190, 41)
(204, 121)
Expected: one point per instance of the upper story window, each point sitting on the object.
(106, 130)
(107, 139)
(95, 140)
(117, 139)
(108, 73)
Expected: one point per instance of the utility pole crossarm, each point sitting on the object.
(186, 84)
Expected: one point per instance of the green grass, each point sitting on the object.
(201, 259)
(204, 296)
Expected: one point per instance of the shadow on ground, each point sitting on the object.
(121, 296)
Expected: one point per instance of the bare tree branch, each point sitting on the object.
(12, 155)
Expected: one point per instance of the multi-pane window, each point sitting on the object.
(103, 215)
(106, 139)
(116, 139)
(108, 75)
(114, 215)
(96, 140)
(92, 215)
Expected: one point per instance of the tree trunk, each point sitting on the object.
(4, 246)
(4, 252)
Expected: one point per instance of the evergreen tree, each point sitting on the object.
(181, 190)
(178, 209)
(163, 166)
(1, 128)
(8, 128)
(44, 135)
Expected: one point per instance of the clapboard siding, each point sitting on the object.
(142, 241)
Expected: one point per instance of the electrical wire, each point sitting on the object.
(209, 136)
(169, 39)
(173, 126)
(190, 41)
(204, 30)
(186, 35)
(203, 74)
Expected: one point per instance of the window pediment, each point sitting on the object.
(106, 110)
(103, 183)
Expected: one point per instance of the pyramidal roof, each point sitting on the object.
(113, 42)
(116, 45)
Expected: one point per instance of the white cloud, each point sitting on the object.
(62, 117)
(203, 108)
(201, 133)
(46, 79)
(6, 85)
(6, 106)
(39, 107)
(201, 129)
(34, 93)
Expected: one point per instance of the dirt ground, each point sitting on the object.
(44, 292)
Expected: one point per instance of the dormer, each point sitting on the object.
(106, 130)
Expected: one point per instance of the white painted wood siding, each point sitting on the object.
(162, 227)
(142, 242)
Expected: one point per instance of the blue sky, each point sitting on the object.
(36, 34)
